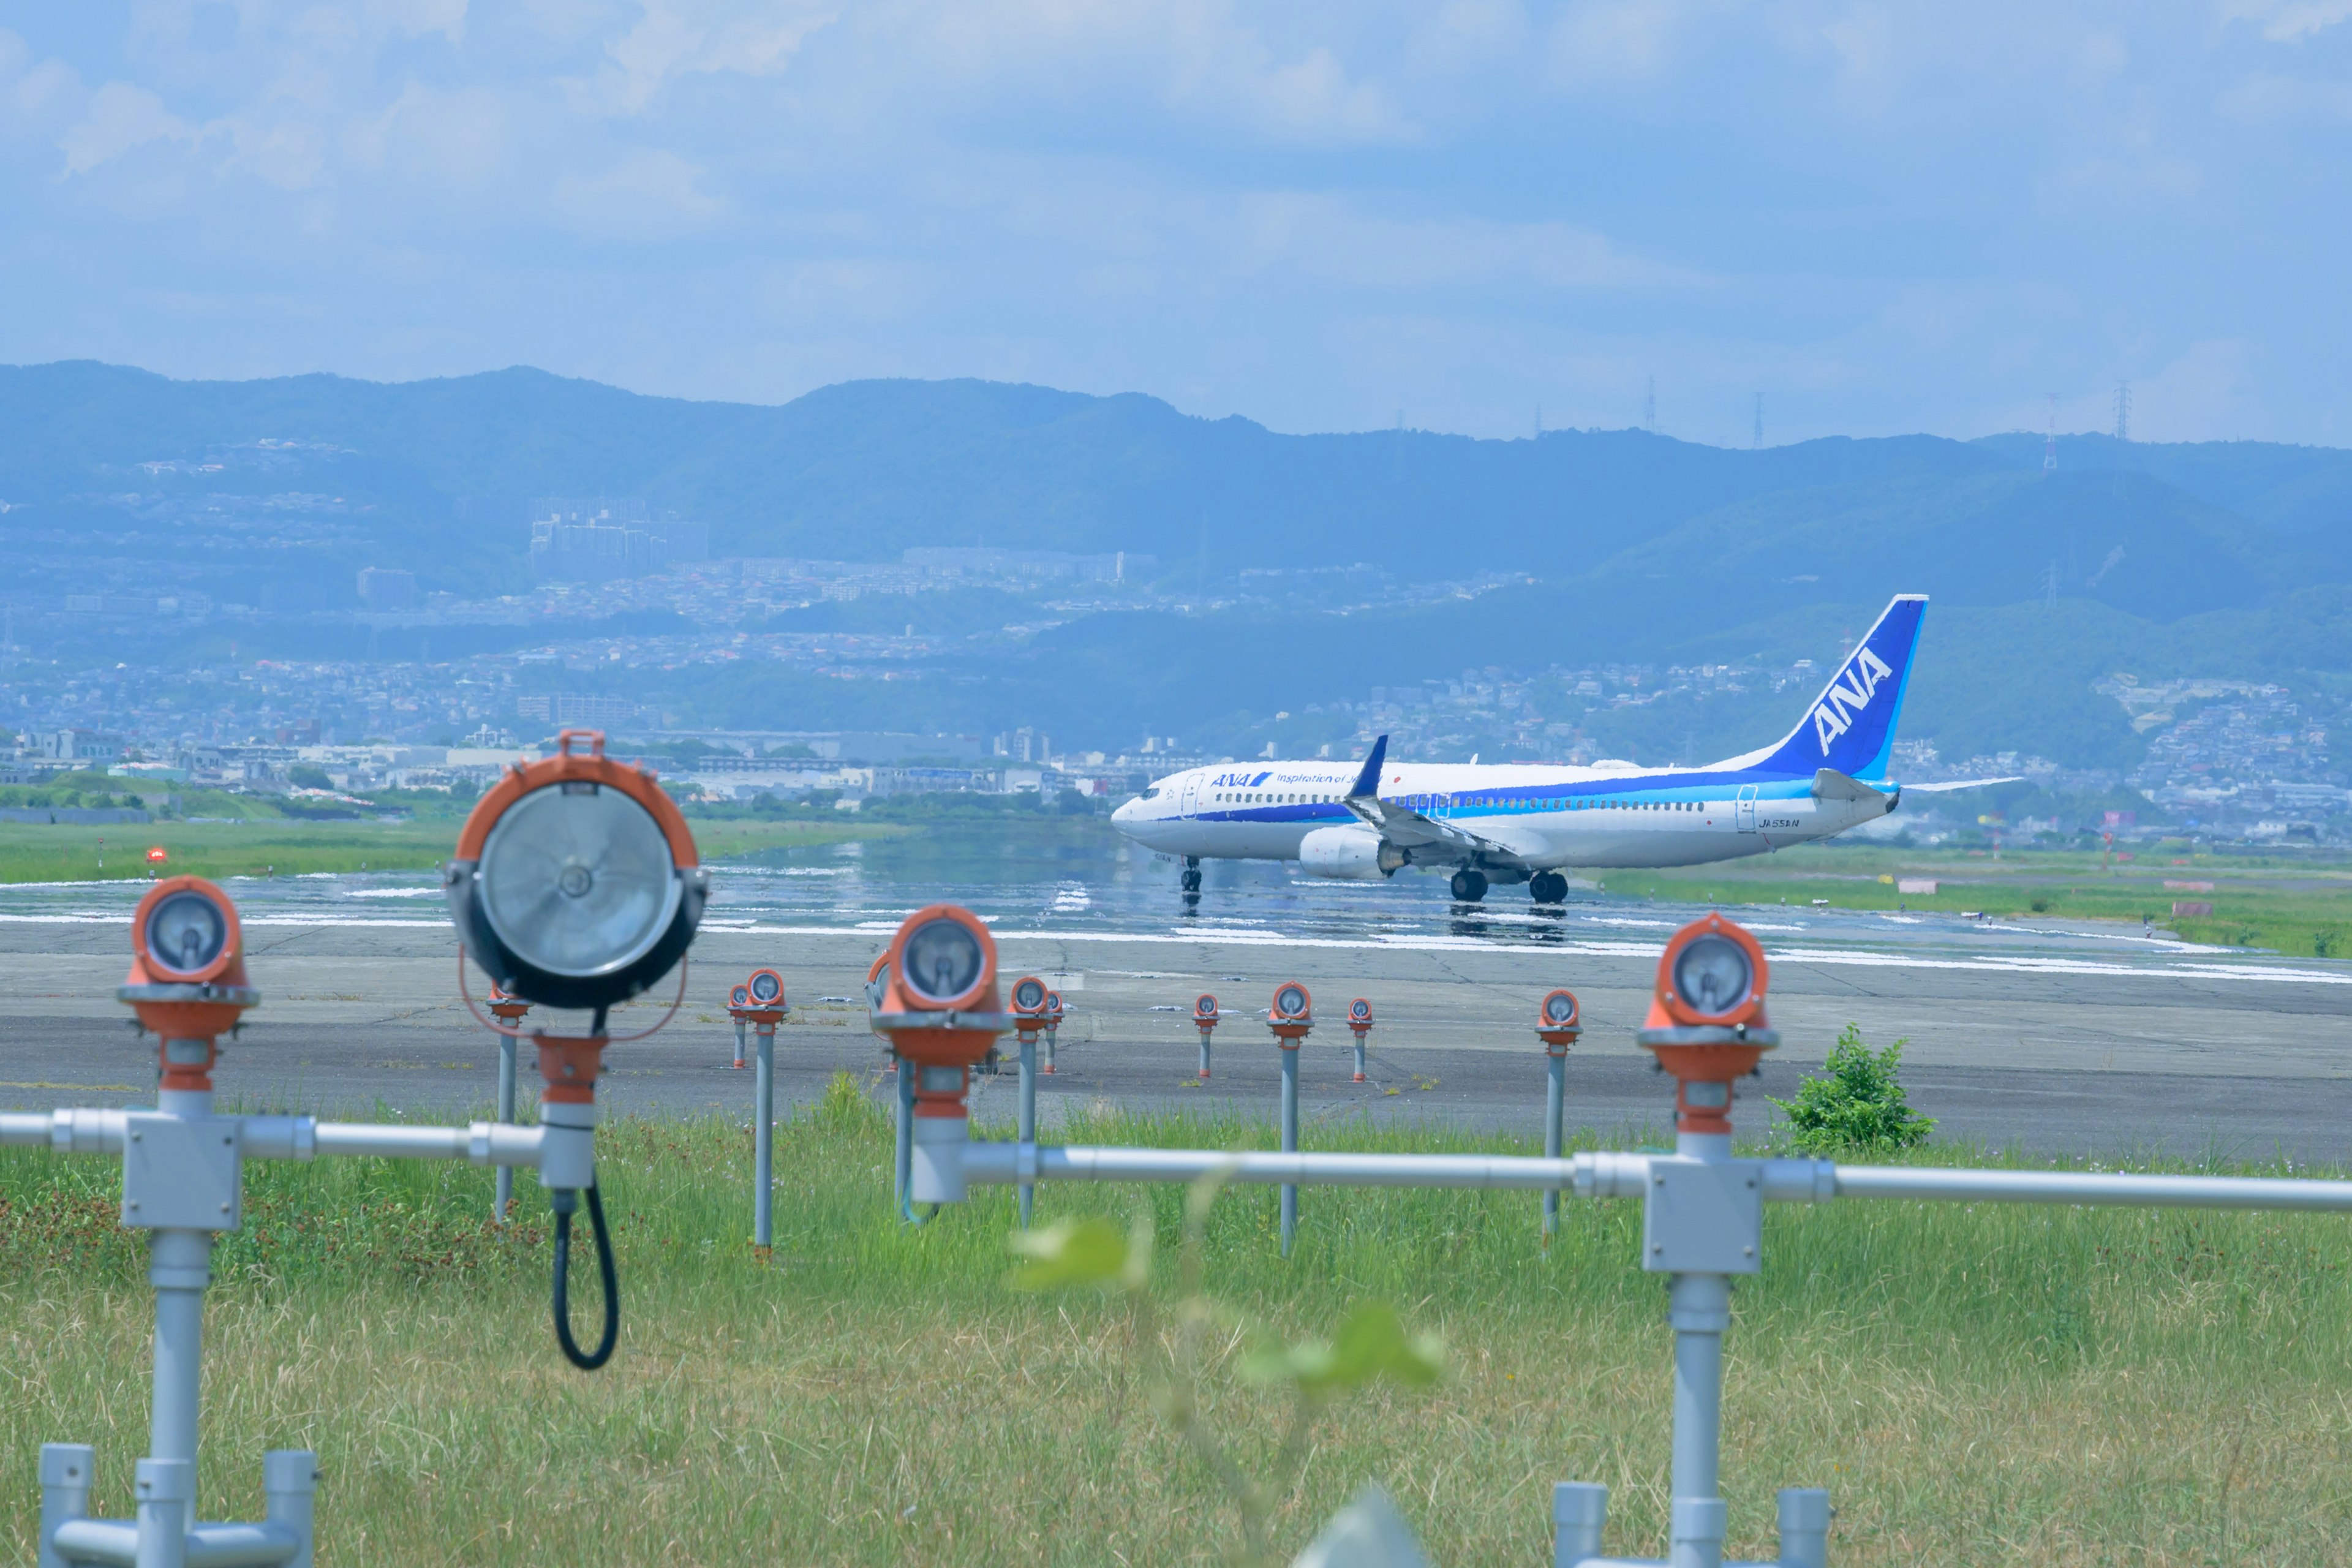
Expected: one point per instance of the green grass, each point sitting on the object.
(2299, 906)
(1984, 1384)
(43, 852)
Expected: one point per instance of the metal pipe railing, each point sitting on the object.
(2111, 1188)
(1603, 1175)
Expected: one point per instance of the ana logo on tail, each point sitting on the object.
(1853, 691)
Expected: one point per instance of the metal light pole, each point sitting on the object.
(1291, 1018)
(1557, 1025)
(765, 1009)
(509, 1011)
(1359, 1021)
(1205, 1018)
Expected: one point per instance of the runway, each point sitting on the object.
(2052, 1038)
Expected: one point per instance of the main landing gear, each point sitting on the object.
(1548, 888)
(1191, 879)
(1469, 885)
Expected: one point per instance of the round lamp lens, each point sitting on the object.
(1559, 1007)
(1290, 1001)
(577, 880)
(765, 986)
(1360, 1008)
(1029, 995)
(186, 932)
(1712, 974)
(944, 960)
(1206, 1007)
(739, 996)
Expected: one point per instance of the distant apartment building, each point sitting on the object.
(602, 540)
(578, 708)
(382, 588)
(79, 747)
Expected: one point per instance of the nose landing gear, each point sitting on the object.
(1191, 879)
(1469, 885)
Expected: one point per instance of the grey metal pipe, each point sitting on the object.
(1290, 1142)
(66, 1472)
(1580, 1511)
(25, 1127)
(997, 1164)
(1554, 1100)
(180, 1268)
(77, 1541)
(1205, 1051)
(289, 1488)
(1028, 1116)
(1804, 1527)
(738, 1044)
(763, 1141)
(2091, 1187)
(1700, 1309)
(1359, 1057)
(903, 1165)
(504, 1200)
(391, 1142)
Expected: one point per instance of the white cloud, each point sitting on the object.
(118, 119)
(676, 38)
(2288, 21)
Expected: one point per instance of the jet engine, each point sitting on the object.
(1355, 854)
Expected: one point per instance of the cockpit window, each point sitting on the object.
(1151, 792)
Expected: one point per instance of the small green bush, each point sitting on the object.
(1860, 1105)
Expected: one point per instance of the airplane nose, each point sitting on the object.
(1125, 813)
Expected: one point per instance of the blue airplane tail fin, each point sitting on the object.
(1851, 725)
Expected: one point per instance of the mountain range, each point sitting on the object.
(2225, 559)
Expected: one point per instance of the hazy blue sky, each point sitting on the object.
(1884, 217)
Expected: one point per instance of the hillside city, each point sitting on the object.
(2225, 759)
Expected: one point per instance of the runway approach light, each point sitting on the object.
(935, 996)
(1706, 1021)
(1029, 1005)
(187, 979)
(1052, 1026)
(1292, 1015)
(739, 998)
(576, 883)
(766, 987)
(1205, 1018)
(1557, 1021)
(1360, 1020)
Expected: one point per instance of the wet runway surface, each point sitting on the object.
(2054, 1036)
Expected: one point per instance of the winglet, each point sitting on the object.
(1367, 783)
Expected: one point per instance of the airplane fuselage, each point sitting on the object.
(1550, 817)
(1520, 821)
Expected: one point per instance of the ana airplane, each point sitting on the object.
(1524, 822)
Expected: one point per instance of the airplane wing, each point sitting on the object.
(1407, 828)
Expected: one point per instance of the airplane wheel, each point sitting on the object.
(1469, 886)
(1548, 888)
(1191, 881)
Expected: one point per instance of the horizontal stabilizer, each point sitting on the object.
(1831, 784)
(1951, 786)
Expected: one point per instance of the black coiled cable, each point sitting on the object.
(604, 1351)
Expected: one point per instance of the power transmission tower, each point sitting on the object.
(1759, 422)
(2050, 448)
(2122, 411)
